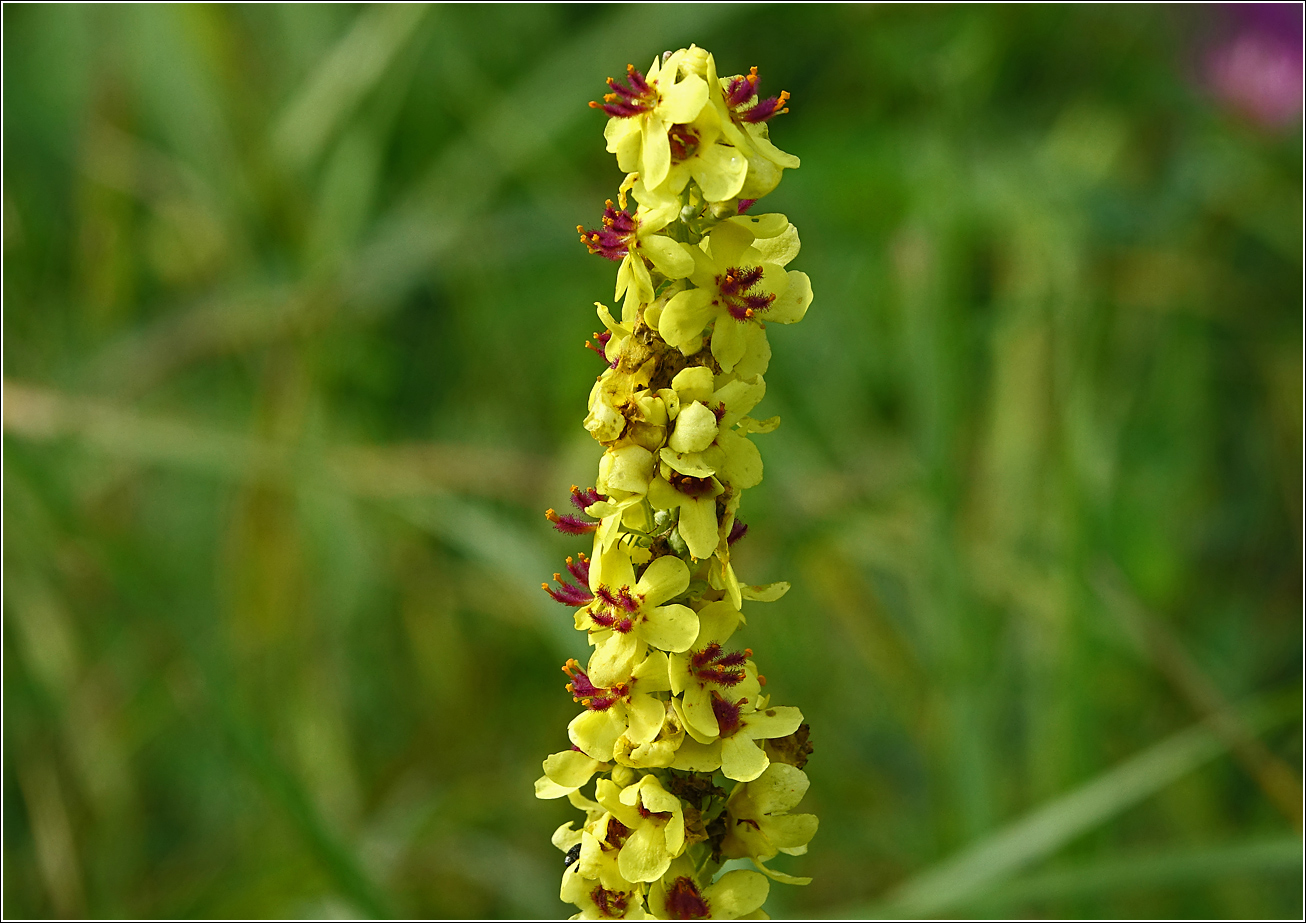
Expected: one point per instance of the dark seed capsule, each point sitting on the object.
(573, 855)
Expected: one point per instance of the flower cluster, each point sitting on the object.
(673, 707)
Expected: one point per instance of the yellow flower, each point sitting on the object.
(627, 614)
(657, 752)
(740, 724)
(678, 895)
(708, 667)
(695, 497)
(567, 771)
(702, 152)
(744, 116)
(707, 441)
(626, 709)
(600, 847)
(739, 280)
(655, 821)
(758, 822)
(599, 903)
(643, 111)
(633, 239)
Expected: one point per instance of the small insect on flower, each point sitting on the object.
(572, 857)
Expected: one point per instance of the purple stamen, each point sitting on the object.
(566, 593)
(734, 291)
(711, 665)
(584, 499)
(580, 568)
(570, 525)
(613, 240)
(624, 102)
(727, 715)
(766, 110)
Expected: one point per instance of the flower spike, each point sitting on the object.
(668, 696)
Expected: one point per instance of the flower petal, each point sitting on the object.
(781, 249)
(670, 628)
(696, 428)
(779, 721)
(719, 170)
(571, 768)
(644, 855)
(791, 306)
(693, 384)
(652, 674)
(662, 496)
(742, 759)
(762, 227)
(694, 756)
(681, 103)
(684, 318)
(790, 833)
(765, 593)
(595, 732)
(632, 468)
(644, 715)
(778, 789)
(728, 344)
(625, 140)
(669, 257)
(546, 788)
(736, 893)
(698, 525)
(613, 569)
(757, 353)
(695, 464)
(743, 467)
(768, 150)
(739, 395)
(727, 243)
(717, 621)
(656, 798)
(613, 659)
(696, 706)
(564, 837)
(664, 578)
(656, 154)
(779, 876)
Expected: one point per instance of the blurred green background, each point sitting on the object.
(293, 314)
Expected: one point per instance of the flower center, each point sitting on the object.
(614, 609)
(583, 690)
(617, 833)
(713, 665)
(727, 714)
(742, 91)
(684, 902)
(734, 292)
(626, 101)
(610, 903)
(611, 241)
(683, 141)
(690, 486)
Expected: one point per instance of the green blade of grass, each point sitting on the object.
(353, 68)
(1154, 870)
(1039, 834)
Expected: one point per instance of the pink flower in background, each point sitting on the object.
(1255, 66)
